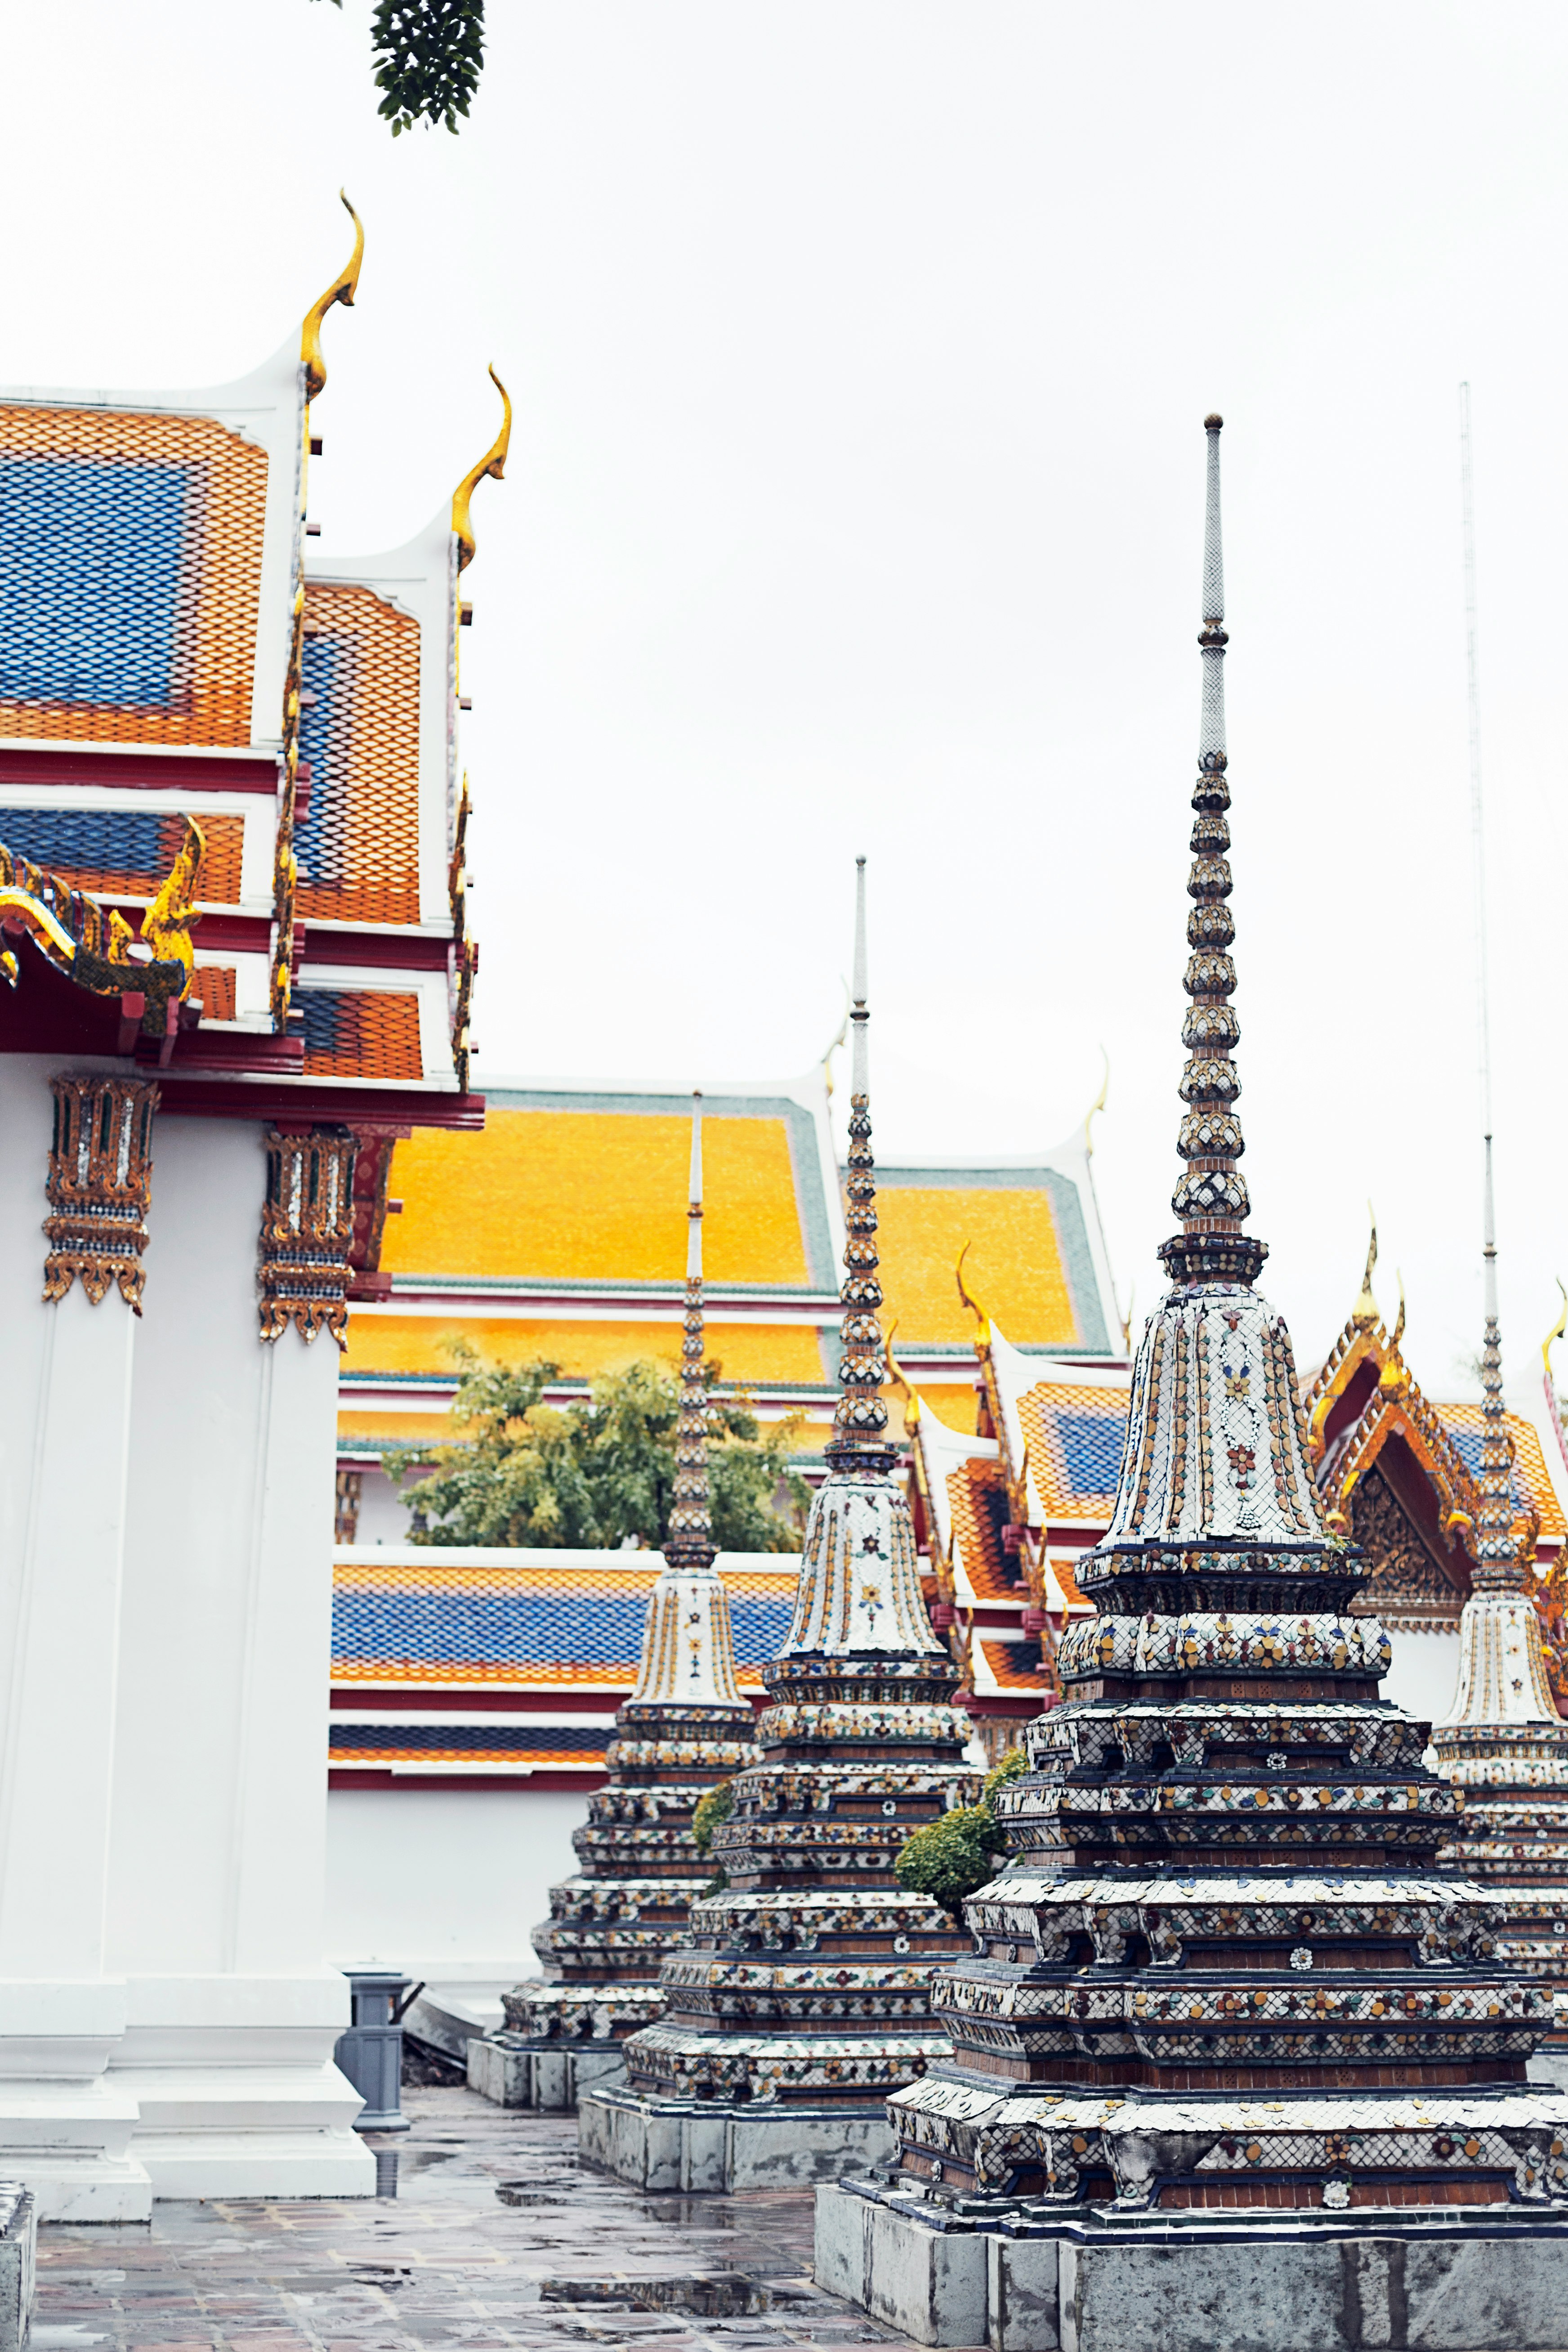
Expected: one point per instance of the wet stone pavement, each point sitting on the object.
(497, 2236)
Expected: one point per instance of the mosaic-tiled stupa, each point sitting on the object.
(1502, 1741)
(803, 1998)
(1224, 1989)
(685, 1728)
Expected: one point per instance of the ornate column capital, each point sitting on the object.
(100, 1184)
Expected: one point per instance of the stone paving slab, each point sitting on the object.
(499, 2237)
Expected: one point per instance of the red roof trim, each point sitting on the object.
(147, 772)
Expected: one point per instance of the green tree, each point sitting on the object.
(955, 1855)
(427, 55)
(524, 1472)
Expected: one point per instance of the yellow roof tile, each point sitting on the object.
(746, 1352)
(595, 1195)
(1014, 1268)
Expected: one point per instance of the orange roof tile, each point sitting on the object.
(165, 514)
(529, 1626)
(977, 1494)
(360, 1034)
(1531, 1478)
(1015, 1665)
(358, 843)
(1075, 1439)
(1062, 1570)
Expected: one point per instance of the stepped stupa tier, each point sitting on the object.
(1504, 1743)
(684, 1730)
(804, 1997)
(1225, 1982)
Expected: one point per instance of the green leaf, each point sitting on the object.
(427, 55)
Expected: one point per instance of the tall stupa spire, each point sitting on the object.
(690, 1542)
(1211, 1196)
(860, 1418)
(1498, 1563)
(1501, 1741)
(685, 1726)
(804, 1997)
(1221, 1984)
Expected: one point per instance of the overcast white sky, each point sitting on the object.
(860, 354)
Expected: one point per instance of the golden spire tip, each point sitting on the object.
(492, 463)
(1364, 1314)
(343, 287)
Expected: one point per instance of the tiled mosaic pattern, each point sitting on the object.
(360, 1034)
(129, 600)
(125, 852)
(358, 843)
(526, 1625)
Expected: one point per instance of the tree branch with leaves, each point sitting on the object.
(598, 1471)
(426, 56)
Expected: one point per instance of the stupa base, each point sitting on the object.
(547, 2076)
(709, 2144)
(1486, 2279)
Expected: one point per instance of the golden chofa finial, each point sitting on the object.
(1097, 1105)
(897, 1375)
(493, 463)
(1556, 1331)
(983, 1333)
(342, 288)
(1399, 1319)
(1364, 1314)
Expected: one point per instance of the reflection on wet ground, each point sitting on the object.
(496, 2237)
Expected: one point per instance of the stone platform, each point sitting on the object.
(498, 2241)
(548, 2076)
(713, 2145)
(1491, 2279)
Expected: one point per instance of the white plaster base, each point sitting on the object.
(1494, 2281)
(547, 2076)
(65, 2125)
(701, 2145)
(236, 2090)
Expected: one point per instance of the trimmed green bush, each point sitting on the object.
(715, 1807)
(955, 1855)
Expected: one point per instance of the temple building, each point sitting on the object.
(1223, 1977)
(1005, 1515)
(685, 1730)
(803, 1996)
(235, 970)
(551, 1236)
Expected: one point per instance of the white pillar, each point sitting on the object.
(216, 1882)
(65, 1415)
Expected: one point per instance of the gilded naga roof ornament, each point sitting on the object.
(690, 1544)
(1211, 1196)
(492, 463)
(344, 288)
(1365, 1316)
(859, 1437)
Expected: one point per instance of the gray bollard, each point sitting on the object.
(371, 2051)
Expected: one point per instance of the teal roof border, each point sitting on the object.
(1066, 1208)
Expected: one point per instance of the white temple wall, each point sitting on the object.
(215, 1902)
(1425, 1673)
(384, 1516)
(446, 1882)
